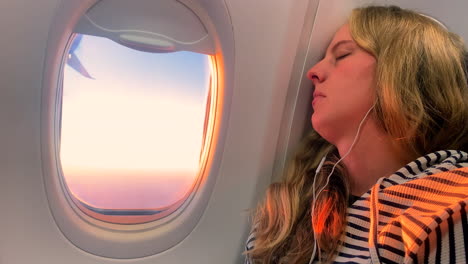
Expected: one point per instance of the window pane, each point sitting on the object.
(132, 125)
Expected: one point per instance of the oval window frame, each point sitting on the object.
(122, 241)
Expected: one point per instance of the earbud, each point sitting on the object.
(320, 164)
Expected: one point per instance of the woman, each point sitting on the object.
(391, 123)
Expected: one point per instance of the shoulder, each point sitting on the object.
(430, 218)
(447, 241)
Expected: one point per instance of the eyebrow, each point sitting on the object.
(339, 43)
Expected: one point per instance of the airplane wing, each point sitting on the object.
(73, 60)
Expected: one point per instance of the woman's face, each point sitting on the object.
(344, 83)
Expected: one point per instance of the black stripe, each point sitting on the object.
(402, 175)
(397, 251)
(252, 239)
(464, 155)
(451, 239)
(442, 168)
(445, 181)
(413, 256)
(449, 210)
(395, 223)
(364, 218)
(386, 260)
(361, 217)
(427, 248)
(341, 254)
(463, 217)
(402, 206)
(356, 237)
(439, 192)
(439, 245)
(459, 156)
(437, 219)
(449, 154)
(461, 173)
(414, 197)
(459, 166)
(410, 170)
(396, 205)
(424, 210)
(419, 165)
(412, 235)
(361, 208)
(363, 198)
(387, 214)
(419, 223)
(358, 227)
(391, 235)
(390, 181)
(438, 157)
(355, 247)
(428, 159)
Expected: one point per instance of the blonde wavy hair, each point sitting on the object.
(422, 103)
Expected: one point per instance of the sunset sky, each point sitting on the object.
(131, 137)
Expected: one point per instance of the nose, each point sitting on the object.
(317, 73)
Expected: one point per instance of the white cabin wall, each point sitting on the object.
(266, 41)
(452, 14)
(26, 223)
(266, 36)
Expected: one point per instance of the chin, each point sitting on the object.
(316, 124)
(322, 129)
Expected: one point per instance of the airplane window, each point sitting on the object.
(133, 126)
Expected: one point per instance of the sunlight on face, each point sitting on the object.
(344, 87)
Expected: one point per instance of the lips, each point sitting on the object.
(317, 96)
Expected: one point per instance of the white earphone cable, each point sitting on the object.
(314, 197)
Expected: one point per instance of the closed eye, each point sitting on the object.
(342, 56)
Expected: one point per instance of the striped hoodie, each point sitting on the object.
(416, 215)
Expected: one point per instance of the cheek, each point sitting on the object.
(355, 93)
(361, 79)
(351, 93)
